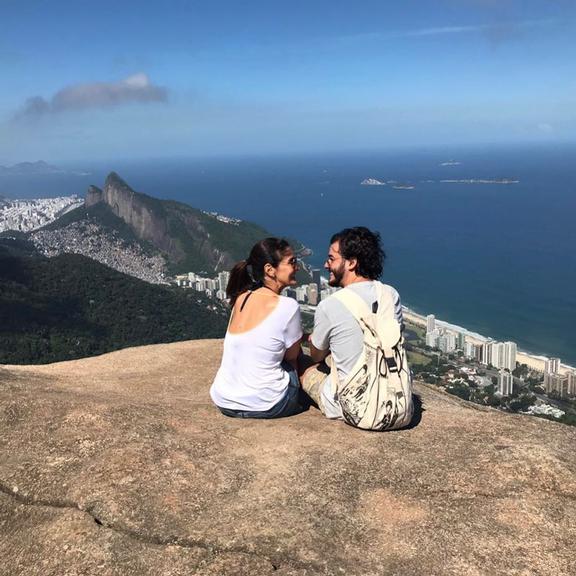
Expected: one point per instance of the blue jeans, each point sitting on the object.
(289, 405)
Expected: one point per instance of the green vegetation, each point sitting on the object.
(415, 332)
(418, 358)
(71, 307)
(234, 240)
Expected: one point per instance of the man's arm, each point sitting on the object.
(316, 354)
(319, 341)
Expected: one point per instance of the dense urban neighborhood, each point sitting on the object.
(26, 215)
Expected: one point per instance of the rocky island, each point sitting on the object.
(482, 181)
(372, 182)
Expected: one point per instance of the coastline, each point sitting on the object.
(534, 361)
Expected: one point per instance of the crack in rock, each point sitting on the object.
(158, 540)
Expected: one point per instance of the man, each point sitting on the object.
(355, 261)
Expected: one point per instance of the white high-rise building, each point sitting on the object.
(487, 352)
(182, 280)
(478, 353)
(469, 350)
(461, 341)
(302, 294)
(316, 279)
(497, 359)
(505, 383)
(500, 355)
(555, 383)
(571, 383)
(432, 339)
(443, 343)
(312, 294)
(450, 342)
(430, 323)
(223, 278)
(552, 366)
(509, 356)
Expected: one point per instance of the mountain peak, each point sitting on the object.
(93, 196)
(39, 167)
(189, 239)
(113, 179)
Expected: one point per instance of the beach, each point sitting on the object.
(533, 361)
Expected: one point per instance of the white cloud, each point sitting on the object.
(503, 28)
(135, 88)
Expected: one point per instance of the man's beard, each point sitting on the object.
(338, 275)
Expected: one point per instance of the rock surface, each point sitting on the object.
(121, 465)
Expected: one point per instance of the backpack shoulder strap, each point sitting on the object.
(357, 306)
(387, 299)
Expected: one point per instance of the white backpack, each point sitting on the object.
(377, 393)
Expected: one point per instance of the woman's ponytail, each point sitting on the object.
(240, 281)
(249, 274)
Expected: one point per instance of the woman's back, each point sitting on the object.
(262, 327)
(251, 309)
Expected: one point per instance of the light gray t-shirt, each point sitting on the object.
(335, 328)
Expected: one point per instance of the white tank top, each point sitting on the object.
(251, 376)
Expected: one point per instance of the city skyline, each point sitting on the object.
(85, 81)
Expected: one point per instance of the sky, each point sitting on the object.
(84, 80)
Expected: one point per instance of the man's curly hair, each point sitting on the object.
(364, 245)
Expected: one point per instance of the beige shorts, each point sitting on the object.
(313, 379)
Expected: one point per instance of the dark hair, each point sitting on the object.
(364, 245)
(248, 274)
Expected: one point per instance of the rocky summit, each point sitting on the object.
(120, 464)
(147, 237)
(189, 239)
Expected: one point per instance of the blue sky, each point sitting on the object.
(98, 80)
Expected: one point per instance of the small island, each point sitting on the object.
(482, 181)
(372, 182)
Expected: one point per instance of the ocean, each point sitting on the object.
(497, 259)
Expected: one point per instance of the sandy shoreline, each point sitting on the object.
(533, 361)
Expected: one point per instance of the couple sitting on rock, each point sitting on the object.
(356, 370)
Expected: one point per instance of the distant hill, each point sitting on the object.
(28, 168)
(70, 306)
(189, 239)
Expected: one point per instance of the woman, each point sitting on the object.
(258, 374)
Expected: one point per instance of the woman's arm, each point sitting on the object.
(292, 353)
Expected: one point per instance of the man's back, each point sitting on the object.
(335, 327)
